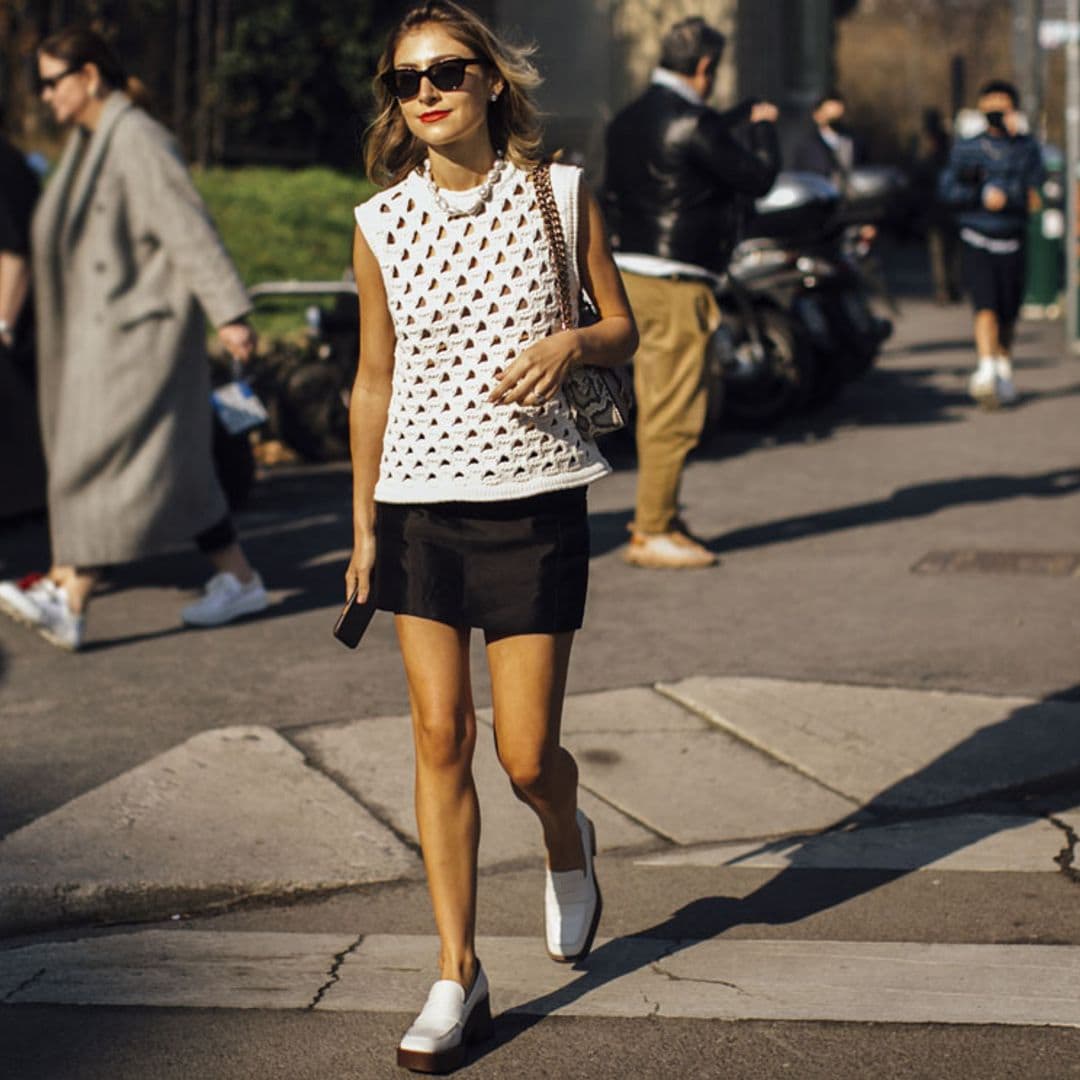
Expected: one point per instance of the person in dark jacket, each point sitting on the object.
(675, 175)
(22, 465)
(990, 183)
(826, 150)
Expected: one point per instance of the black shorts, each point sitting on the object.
(519, 566)
(995, 282)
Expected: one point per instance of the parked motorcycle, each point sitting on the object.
(806, 248)
(307, 386)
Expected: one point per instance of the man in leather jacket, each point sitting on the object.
(674, 179)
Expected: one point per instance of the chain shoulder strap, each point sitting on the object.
(545, 197)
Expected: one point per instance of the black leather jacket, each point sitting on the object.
(675, 175)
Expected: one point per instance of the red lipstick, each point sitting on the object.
(433, 116)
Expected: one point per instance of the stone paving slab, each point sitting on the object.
(628, 977)
(984, 843)
(902, 749)
(621, 712)
(174, 969)
(374, 758)
(230, 813)
(697, 786)
(740, 980)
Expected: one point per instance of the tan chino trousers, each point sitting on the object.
(675, 320)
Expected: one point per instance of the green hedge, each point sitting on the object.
(281, 224)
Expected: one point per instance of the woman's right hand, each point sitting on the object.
(358, 572)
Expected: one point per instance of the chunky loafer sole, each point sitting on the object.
(478, 1028)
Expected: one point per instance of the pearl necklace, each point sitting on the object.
(482, 196)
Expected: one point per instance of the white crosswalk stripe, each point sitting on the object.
(630, 977)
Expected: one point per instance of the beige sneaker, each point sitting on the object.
(667, 551)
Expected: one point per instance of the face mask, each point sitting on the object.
(995, 119)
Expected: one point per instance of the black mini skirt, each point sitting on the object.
(519, 566)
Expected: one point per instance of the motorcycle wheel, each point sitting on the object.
(761, 393)
(312, 413)
(855, 328)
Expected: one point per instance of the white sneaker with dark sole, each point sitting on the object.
(226, 598)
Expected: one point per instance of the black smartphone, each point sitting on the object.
(354, 619)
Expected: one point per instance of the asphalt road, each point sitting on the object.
(820, 525)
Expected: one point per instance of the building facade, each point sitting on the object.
(598, 54)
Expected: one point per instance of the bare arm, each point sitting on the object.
(538, 372)
(368, 409)
(14, 285)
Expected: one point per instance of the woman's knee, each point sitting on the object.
(444, 737)
(530, 771)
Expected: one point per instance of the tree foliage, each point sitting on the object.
(262, 80)
(295, 81)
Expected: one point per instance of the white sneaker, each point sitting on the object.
(572, 903)
(24, 600)
(1004, 386)
(59, 626)
(983, 384)
(451, 1019)
(224, 599)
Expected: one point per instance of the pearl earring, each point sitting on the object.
(494, 97)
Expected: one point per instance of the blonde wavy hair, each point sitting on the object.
(391, 151)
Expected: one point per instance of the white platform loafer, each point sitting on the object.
(449, 1021)
(572, 903)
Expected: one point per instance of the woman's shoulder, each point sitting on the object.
(374, 214)
(136, 125)
(566, 180)
(568, 174)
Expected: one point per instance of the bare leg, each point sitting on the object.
(232, 559)
(436, 660)
(78, 583)
(528, 683)
(987, 333)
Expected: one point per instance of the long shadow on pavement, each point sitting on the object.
(918, 500)
(802, 889)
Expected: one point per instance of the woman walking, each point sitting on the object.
(124, 257)
(469, 473)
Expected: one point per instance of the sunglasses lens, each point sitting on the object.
(449, 75)
(404, 83)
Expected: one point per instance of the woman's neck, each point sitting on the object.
(459, 168)
(90, 115)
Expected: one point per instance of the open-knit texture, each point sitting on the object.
(466, 295)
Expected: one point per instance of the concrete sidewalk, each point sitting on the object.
(707, 771)
(899, 538)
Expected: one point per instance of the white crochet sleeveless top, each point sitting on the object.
(466, 295)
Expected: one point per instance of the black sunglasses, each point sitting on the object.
(446, 75)
(49, 82)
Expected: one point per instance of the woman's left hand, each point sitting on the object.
(536, 374)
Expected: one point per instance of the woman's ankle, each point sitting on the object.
(565, 852)
(461, 969)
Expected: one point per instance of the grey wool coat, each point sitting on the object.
(125, 255)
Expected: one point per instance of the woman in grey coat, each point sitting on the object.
(125, 256)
